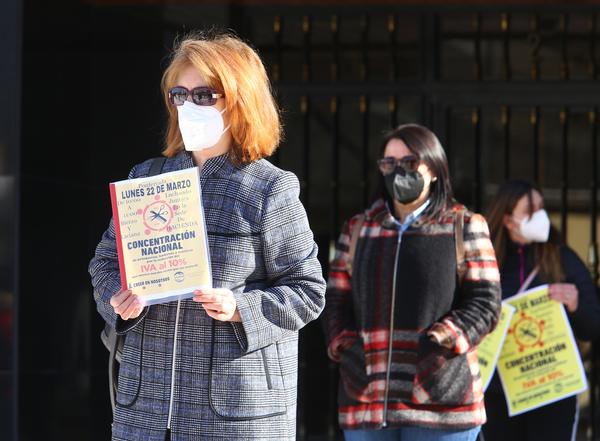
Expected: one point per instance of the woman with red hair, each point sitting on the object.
(222, 365)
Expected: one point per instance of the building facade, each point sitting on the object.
(511, 90)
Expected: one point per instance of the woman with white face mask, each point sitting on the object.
(222, 365)
(530, 253)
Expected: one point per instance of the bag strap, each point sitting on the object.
(109, 336)
(459, 242)
(529, 279)
(113, 373)
(355, 234)
(157, 166)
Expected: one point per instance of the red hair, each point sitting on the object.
(233, 68)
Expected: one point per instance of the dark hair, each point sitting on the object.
(423, 143)
(546, 255)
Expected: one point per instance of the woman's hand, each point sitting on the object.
(219, 303)
(566, 293)
(337, 346)
(126, 304)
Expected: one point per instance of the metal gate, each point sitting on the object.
(510, 91)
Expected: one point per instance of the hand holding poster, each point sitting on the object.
(539, 363)
(161, 235)
(488, 350)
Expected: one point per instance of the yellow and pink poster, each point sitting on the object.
(161, 235)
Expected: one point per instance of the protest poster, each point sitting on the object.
(161, 235)
(539, 362)
(489, 349)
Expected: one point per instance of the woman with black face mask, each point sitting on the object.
(531, 253)
(413, 288)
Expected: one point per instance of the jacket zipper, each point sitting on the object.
(173, 367)
(392, 308)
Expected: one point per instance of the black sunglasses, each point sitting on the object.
(202, 96)
(388, 164)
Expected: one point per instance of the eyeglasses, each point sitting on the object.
(388, 164)
(202, 96)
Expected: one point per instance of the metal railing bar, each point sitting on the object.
(505, 115)
(564, 185)
(535, 124)
(476, 120)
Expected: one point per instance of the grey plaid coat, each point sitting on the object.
(207, 379)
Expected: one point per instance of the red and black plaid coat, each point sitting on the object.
(429, 385)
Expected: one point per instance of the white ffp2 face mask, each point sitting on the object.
(201, 127)
(537, 227)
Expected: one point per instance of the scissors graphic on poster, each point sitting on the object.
(158, 215)
(527, 332)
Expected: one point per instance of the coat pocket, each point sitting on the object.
(441, 376)
(353, 372)
(246, 386)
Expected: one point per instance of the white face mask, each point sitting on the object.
(537, 227)
(201, 127)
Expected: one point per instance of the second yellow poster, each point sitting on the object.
(539, 362)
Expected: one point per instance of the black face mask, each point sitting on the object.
(405, 186)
